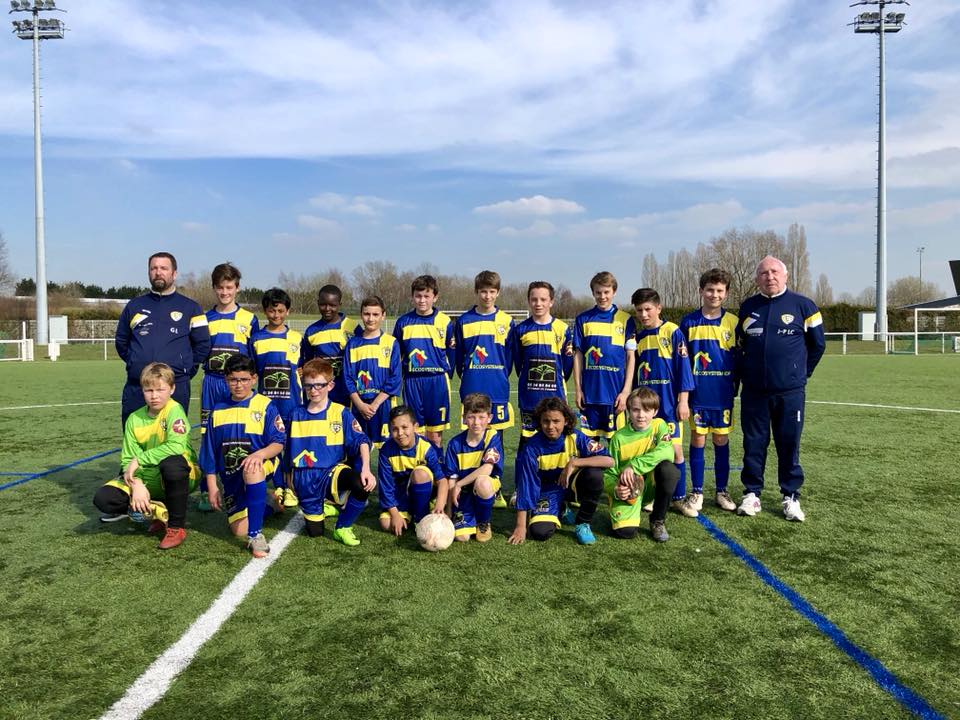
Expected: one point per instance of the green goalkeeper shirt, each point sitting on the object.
(642, 450)
(151, 439)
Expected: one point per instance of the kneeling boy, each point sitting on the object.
(321, 438)
(158, 461)
(474, 466)
(643, 466)
(243, 437)
(410, 473)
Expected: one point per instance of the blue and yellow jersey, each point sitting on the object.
(427, 345)
(326, 341)
(543, 359)
(711, 343)
(322, 439)
(663, 366)
(541, 461)
(230, 334)
(238, 429)
(462, 458)
(604, 337)
(395, 465)
(483, 356)
(372, 366)
(277, 355)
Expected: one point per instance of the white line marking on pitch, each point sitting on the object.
(61, 405)
(153, 684)
(885, 407)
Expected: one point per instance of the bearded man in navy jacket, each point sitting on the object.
(161, 326)
(779, 343)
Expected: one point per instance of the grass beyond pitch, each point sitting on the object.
(551, 630)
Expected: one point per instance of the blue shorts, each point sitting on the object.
(402, 495)
(314, 486)
(429, 398)
(464, 514)
(712, 420)
(550, 503)
(213, 391)
(600, 421)
(377, 428)
(235, 491)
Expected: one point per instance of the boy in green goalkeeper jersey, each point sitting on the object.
(159, 464)
(642, 453)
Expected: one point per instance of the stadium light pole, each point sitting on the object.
(881, 23)
(920, 253)
(38, 28)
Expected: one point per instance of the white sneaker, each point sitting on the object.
(689, 505)
(791, 509)
(725, 502)
(750, 505)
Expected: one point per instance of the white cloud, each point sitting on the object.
(192, 226)
(536, 205)
(320, 224)
(363, 205)
(433, 228)
(538, 228)
(702, 217)
(405, 227)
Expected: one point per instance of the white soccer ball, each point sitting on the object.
(435, 532)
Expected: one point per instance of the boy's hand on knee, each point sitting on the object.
(140, 497)
(367, 480)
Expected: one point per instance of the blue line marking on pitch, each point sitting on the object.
(34, 476)
(20, 474)
(883, 677)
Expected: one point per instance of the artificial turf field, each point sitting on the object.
(555, 630)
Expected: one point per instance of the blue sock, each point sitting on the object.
(256, 507)
(681, 490)
(420, 499)
(696, 468)
(350, 512)
(482, 509)
(721, 465)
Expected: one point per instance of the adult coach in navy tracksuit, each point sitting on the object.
(161, 326)
(779, 343)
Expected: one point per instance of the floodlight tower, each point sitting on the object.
(881, 23)
(920, 253)
(38, 28)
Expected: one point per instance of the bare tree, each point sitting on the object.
(909, 290)
(383, 278)
(823, 293)
(866, 297)
(7, 279)
(797, 260)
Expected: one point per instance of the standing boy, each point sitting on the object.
(276, 351)
(427, 349)
(327, 337)
(231, 328)
(543, 355)
(710, 333)
(322, 438)
(604, 343)
(474, 465)
(158, 461)
(244, 436)
(409, 474)
(664, 367)
(372, 372)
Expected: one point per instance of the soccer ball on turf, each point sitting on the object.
(435, 532)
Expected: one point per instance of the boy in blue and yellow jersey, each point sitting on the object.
(372, 372)
(427, 349)
(276, 351)
(484, 349)
(542, 356)
(643, 469)
(321, 440)
(409, 473)
(663, 365)
(711, 342)
(327, 337)
(474, 465)
(558, 464)
(244, 436)
(159, 464)
(231, 328)
(603, 344)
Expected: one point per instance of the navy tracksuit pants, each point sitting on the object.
(783, 413)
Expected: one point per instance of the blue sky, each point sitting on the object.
(542, 139)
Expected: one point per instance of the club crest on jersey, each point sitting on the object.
(242, 329)
(294, 349)
(491, 456)
(727, 335)
(501, 330)
(278, 424)
(618, 329)
(179, 426)
(356, 426)
(786, 318)
(594, 446)
(385, 352)
(336, 428)
(256, 415)
(176, 316)
(682, 349)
